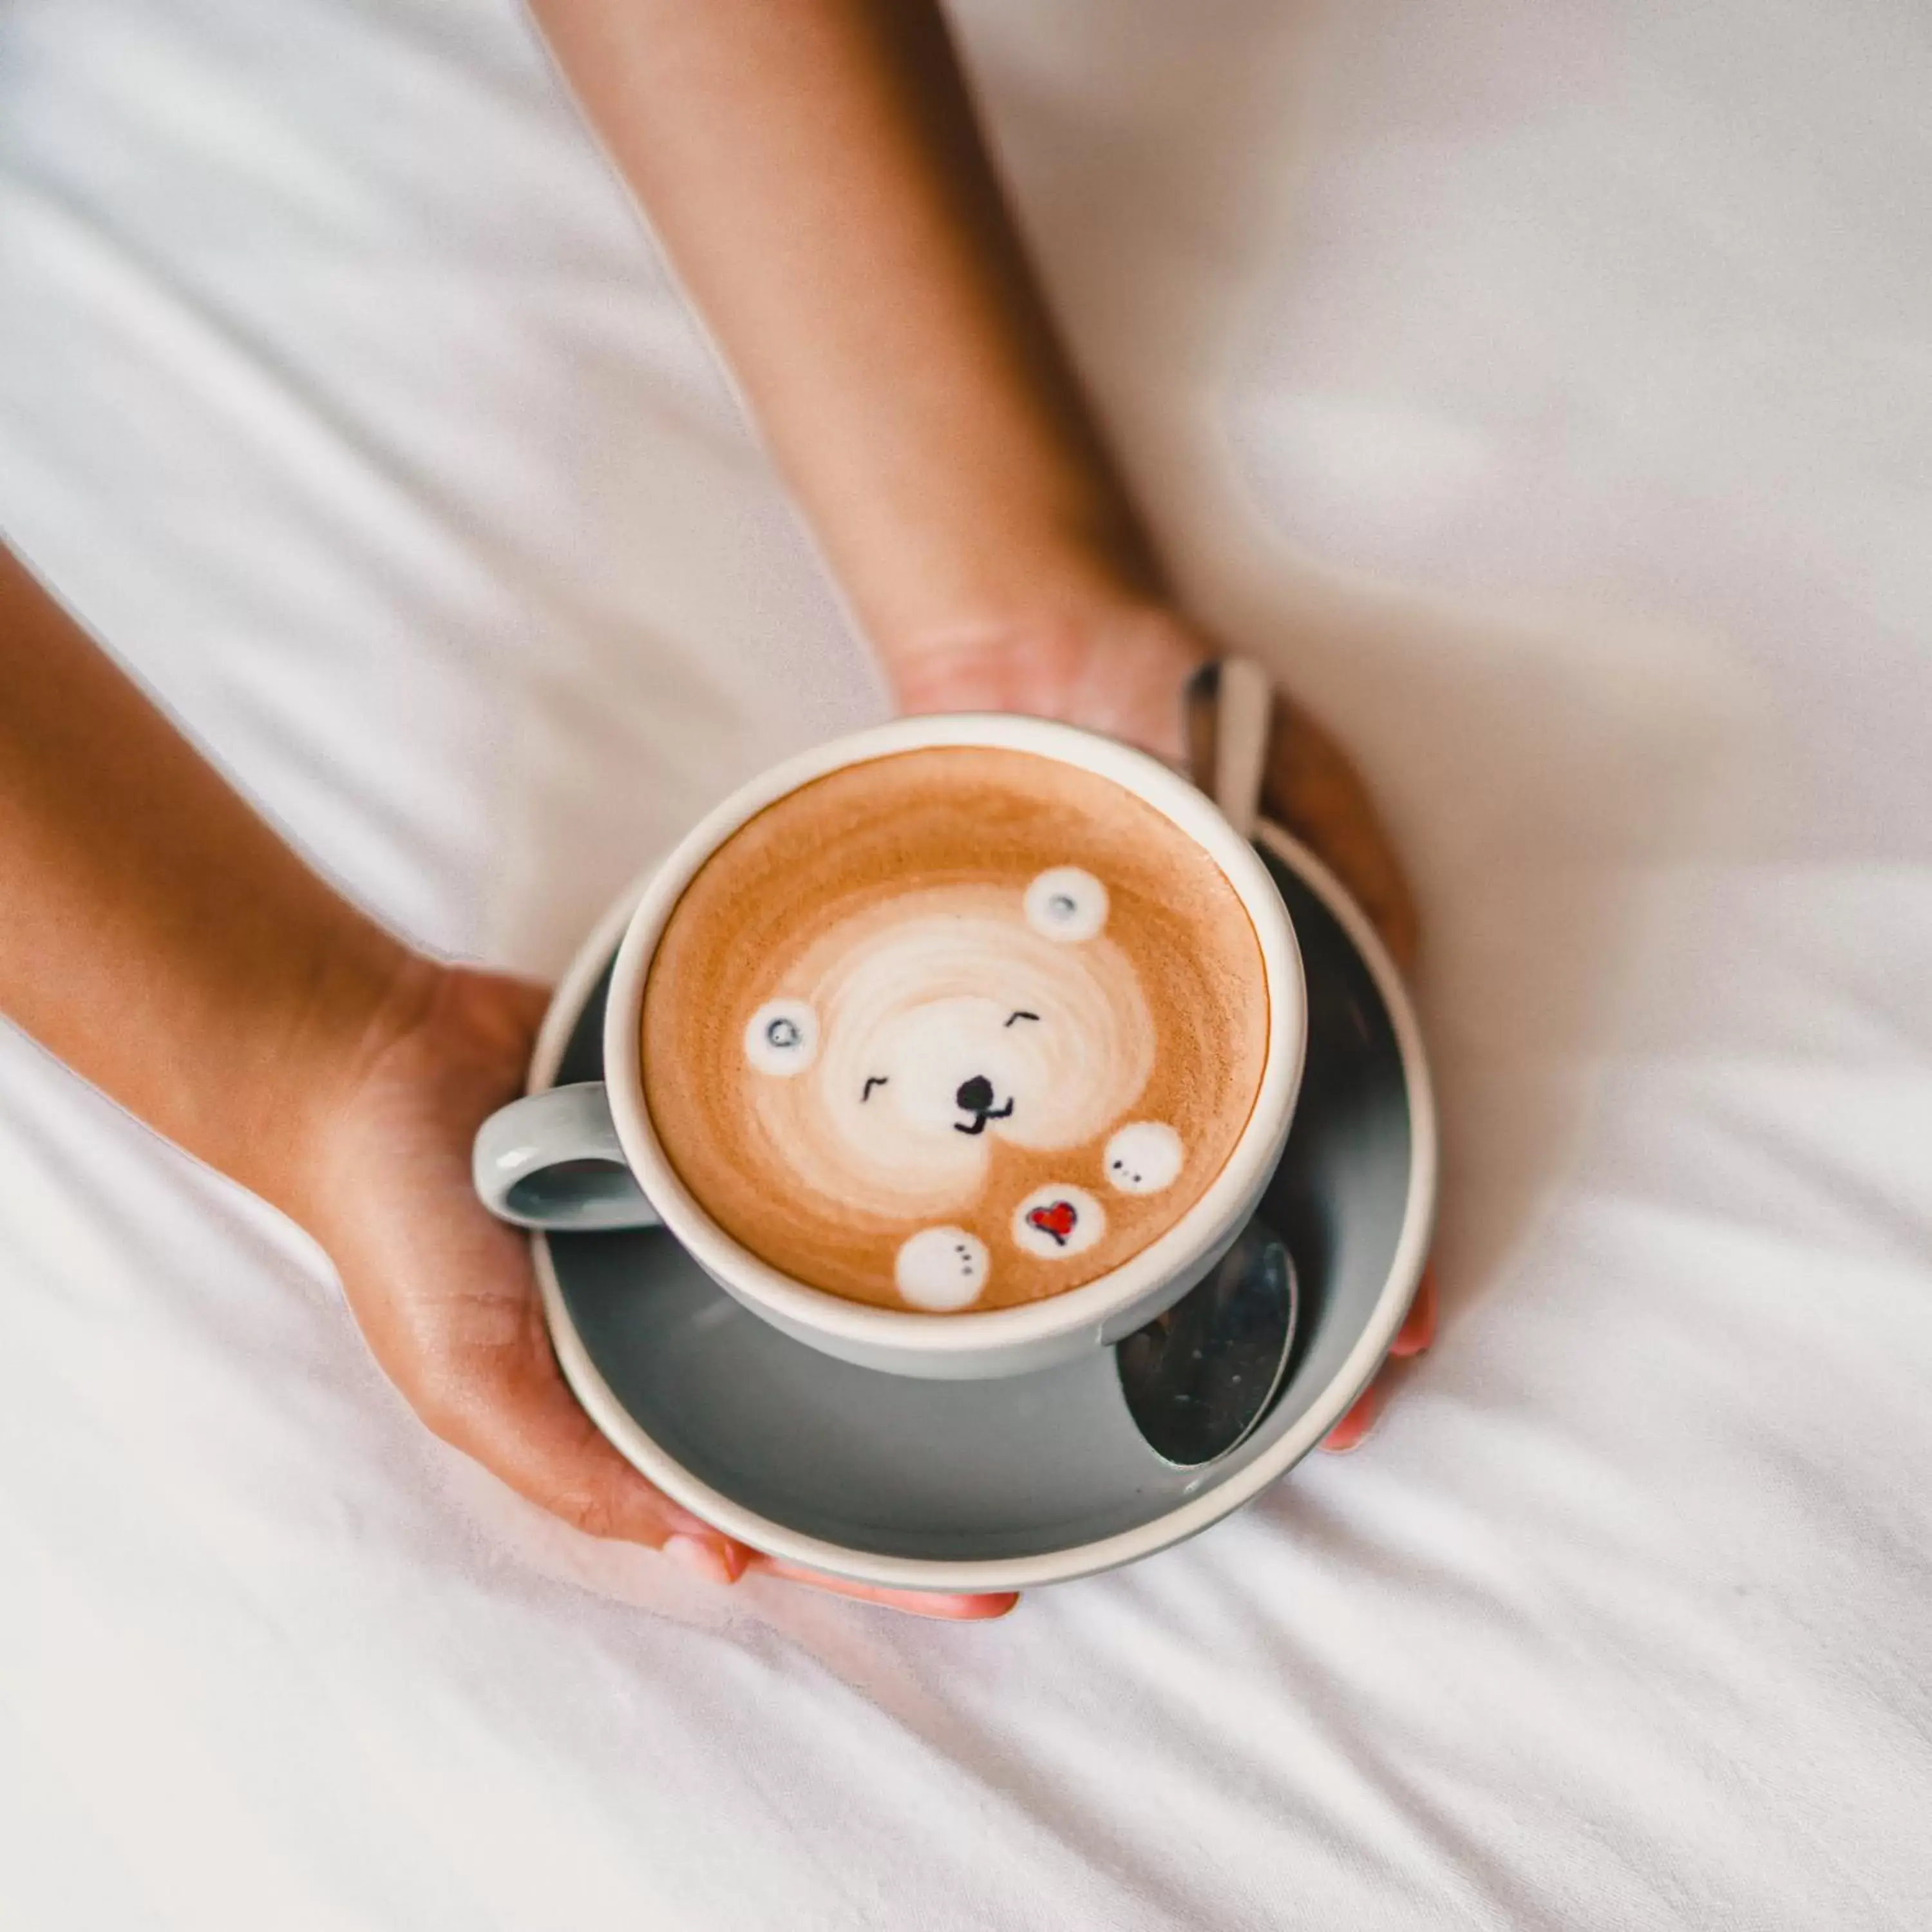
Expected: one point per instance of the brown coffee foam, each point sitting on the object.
(863, 835)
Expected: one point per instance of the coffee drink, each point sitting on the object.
(953, 1029)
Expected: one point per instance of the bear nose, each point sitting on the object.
(975, 1096)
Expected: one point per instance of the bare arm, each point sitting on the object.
(815, 171)
(157, 935)
(161, 939)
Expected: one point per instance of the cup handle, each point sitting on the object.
(554, 1160)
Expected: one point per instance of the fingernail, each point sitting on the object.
(706, 1558)
(1355, 1427)
(978, 1609)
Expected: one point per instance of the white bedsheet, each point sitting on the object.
(1548, 385)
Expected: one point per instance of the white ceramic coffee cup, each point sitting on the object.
(586, 1157)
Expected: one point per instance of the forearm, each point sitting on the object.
(815, 171)
(155, 933)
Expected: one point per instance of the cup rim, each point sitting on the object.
(1189, 1242)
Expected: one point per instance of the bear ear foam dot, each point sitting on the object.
(1067, 904)
(781, 1037)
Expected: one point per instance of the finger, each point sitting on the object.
(1415, 1335)
(1312, 789)
(1418, 1326)
(950, 1608)
(514, 1414)
(1352, 1431)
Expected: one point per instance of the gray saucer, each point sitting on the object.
(989, 1485)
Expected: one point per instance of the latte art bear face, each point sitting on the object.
(933, 1029)
(955, 1030)
(918, 1038)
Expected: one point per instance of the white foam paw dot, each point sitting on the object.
(1143, 1157)
(942, 1270)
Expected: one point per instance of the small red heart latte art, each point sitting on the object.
(1056, 1220)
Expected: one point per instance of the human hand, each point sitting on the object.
(1124, 671)
(446, 1295)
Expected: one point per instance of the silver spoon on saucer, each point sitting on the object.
(1197, 1379)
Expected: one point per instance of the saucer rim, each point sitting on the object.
(1194, 1514)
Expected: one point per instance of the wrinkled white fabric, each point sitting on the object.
(1547, 387)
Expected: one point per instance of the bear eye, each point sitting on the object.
(1020, 1013)
(1066, 903)
(781, 1037)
